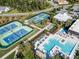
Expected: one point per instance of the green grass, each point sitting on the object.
(3, 52)
(27, 52)
(40, 25)
(11, 56)
(57, 57)
(12, 11)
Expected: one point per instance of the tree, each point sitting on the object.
(71, 1)
(68, 23)
(77, 55)
(52, 14)
(20, 55)
(25, 5)
(57, 57)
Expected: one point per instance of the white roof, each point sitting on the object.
(62, 2)
(62, 17)
(75, 26)
(75, 7)
(4, 9)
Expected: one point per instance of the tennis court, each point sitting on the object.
(40, 17)
(9, 27)
(14, 34)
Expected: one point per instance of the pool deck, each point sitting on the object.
(72, 44)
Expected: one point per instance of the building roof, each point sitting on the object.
(50, 26)
(59, 1)
(62, 17)
(3, 8)
(75, 26)
(75, 7)
(62, 2)
(40, 17)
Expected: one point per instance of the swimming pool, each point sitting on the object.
(65, 48)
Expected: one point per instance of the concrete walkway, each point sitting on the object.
(23, 14)
(40, 31)
(32, 25)
(15, 53)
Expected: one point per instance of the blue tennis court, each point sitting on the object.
(11, 38)
(12, 26)
(40, 17)
(15, 36)
(13, 32)
(21, 32)
(7, 28)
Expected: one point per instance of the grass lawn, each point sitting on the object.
(11, 56)
(57, 57)
(27, 52)
(4, 51)
(12, 11)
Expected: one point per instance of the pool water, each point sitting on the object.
(66, 48)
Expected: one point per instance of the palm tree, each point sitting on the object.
(68, 23)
